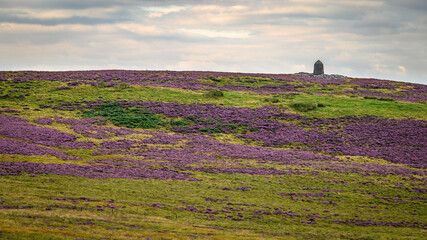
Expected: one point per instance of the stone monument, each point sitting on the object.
(318, 68)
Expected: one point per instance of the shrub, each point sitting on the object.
(212, 78)
(218, 128)
(389, 99)
(123, 86)
(370, 97)
(214, 94)
(101, 84)
(253, 129)
(180, 123)
(304, 107)
(130, 118)
(272, 100)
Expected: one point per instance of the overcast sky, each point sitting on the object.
(383, 39)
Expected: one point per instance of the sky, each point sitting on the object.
(384, 39)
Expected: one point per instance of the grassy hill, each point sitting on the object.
(209, 155)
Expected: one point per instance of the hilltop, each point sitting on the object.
(211, 155)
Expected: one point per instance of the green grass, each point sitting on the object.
(338, 106)
(170, 222)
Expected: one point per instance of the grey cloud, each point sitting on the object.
(418, 5)
(59, 21)
(39, 38)
(19, 16)
(64, 4)
(169, 38)
(74, 4)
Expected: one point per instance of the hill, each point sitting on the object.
(122, 154)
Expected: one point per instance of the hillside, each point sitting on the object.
(119, 154)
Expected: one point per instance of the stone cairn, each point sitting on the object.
(319, 73)
(318, 68)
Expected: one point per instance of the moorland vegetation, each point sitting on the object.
(209, 155)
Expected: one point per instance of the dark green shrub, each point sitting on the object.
(304, 107)
(388, 99)
(219, 128)
(272, 100)
(370, 97)
(253, 129)
(123, 86)
(130, 118)
(180, 123)
(101, 84)
(191, 117)
(214, 94)
(212, 78)
(289, 95)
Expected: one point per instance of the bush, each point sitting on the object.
(123, 86)
(214, 94)
(212, 78)
(304, 107)
(389, 99)
(180, 123)
(131, 118)
(218, 128)
(101, 84)
(253, 129)
(370, 97)
(272, 100)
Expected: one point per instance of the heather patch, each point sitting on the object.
(92, 128)
(10, 146)
(398, 141)
(90, 171)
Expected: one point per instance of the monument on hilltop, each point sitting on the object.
(318, 68)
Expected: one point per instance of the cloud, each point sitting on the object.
(50, 17)
(402, 68)
(418, 5)
(160, 11)
(218, 33)
(141, 29)
(66, 4)
(367, 38)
